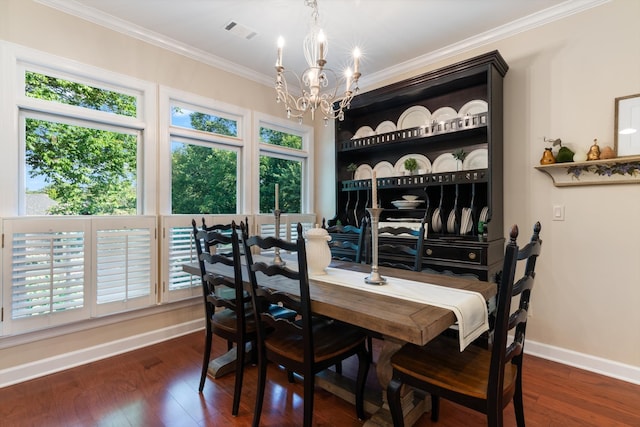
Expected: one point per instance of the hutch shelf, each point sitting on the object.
(448, 195)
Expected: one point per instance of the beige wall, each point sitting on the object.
(562, 81)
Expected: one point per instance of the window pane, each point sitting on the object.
(189, 119)
(288, 175)
(274, 137)
(203, 179)
(67, 92)
(75, 170)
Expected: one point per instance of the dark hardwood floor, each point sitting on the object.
(158, 386)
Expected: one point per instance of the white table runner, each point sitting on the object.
(469, 307)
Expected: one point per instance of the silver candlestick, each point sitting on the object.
(276, 258)
(374, 278)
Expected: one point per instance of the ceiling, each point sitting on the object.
(393, 35)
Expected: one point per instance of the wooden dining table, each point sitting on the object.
(396, 321)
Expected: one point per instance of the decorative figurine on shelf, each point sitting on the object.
(547, 157)
(607, 153)
(594, 151)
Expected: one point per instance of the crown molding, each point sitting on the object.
(546, 16)
(127, 28)
(563, 10)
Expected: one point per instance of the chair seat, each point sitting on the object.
(329, 339)
(442, 364)
(225, 320)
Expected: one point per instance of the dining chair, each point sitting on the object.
(485, 380)
(349, 243)
(233, 323)
(401, 246)
(307, 345)
(228, 312)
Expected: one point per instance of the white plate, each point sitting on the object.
(443, 114)
(476, 106)
(451, 222)
(414, 117)
(436, 222)
(406, 204)
(386, 127)
(445, 163)
(483, 214)
(384, 170)
(423, 164)
(477, 159)
(363, 172)
(466, 222)
(363, 132)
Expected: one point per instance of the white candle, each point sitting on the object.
(347, 76)
(321, 43)
(356, 61)
(374, 190)
(280, 46)
(277, 196)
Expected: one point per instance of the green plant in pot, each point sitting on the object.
(352, 168)
(411, 165)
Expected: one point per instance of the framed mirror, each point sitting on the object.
(627, 126)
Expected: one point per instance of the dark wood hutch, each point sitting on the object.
(472, 189)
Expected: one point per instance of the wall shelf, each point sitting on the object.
(621, 170)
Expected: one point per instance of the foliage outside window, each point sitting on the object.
(49, 88)
(204, 179)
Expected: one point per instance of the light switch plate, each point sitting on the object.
(558, 212)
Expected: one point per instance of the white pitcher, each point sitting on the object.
(318, 252)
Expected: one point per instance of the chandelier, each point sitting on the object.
(317, 85)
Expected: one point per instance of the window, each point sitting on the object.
(81, 146)
(205, 159)
(77, 244)
(284, 160)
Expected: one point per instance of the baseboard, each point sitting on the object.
(609, 368)
(61, 362)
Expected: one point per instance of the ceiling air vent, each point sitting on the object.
(240, 30)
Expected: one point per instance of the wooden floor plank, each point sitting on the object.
(158, 386)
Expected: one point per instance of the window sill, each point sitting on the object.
(621, 170)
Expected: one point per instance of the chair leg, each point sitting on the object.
(395, 405)
(309, 384)
(205, 359)
(370, 347)
(435, 407)
(339, 368)
(237, 392)
(361, 380)
(262, 379)
(290, 377)
(517, 400)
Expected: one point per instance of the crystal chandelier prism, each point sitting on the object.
(318, 87)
